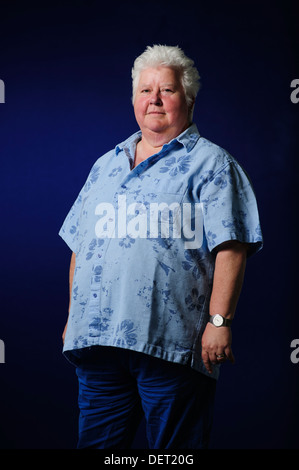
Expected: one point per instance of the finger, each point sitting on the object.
(229, 355)
(221, 357)
(206, 361)
(215, 358)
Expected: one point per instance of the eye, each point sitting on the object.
(167, 90)
(145, 90)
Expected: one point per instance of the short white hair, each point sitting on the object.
(168, 56)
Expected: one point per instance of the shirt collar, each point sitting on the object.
(188, 139)
(133, 139)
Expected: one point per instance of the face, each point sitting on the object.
(160, 104)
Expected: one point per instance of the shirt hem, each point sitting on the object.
(186, 358)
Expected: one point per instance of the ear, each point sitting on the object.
(191, 105)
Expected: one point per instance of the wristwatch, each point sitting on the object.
(219, 320)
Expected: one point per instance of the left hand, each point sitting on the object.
(216, 341)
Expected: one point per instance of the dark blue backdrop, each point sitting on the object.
(66, 68)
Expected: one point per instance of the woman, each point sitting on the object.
(160, 234)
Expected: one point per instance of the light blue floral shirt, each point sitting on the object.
(144, 240)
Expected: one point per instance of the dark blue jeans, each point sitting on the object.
(118, 386)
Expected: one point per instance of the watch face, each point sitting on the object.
(217, 320)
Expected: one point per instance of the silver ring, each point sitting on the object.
(220, 356)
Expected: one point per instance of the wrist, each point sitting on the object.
(219, 320)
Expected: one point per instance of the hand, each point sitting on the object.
(216, 341)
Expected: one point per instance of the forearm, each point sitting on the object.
(227, 283)
(228, 279)
(71, 276)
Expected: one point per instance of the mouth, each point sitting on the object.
(155, 112)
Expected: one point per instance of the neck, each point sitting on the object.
(156, 140)
(152, 142)
(144, 150)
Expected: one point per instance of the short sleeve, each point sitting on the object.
(70, 226)
(230, 208)
(69, 231)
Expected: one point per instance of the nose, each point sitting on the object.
(155, 98)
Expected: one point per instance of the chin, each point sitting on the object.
(157, 125)
(157, 129)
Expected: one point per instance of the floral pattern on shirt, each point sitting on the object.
(150, 294)
(175, 165)
(125, 334)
